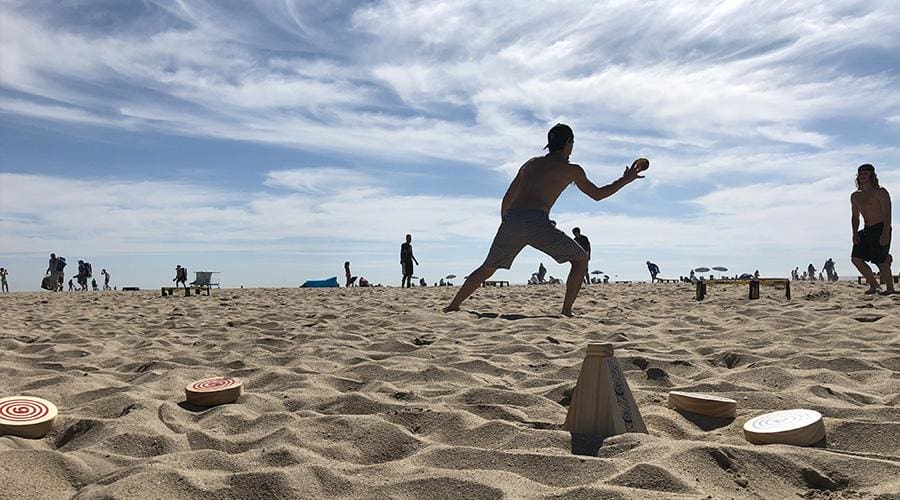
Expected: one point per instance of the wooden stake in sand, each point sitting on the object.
(25, 416)
(797, 427)
(214, 391)
(602, 403)
(703, 404)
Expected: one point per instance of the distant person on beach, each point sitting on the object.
(829, 269)
(541, 273)
(585, 245)
(406, 262)
(94, 286)
(105, 279)
(180, 276)
(71, 285)
(55, 270)
(525, 215)
(82, 276)
(4, 286)
(811, 271)
(873, 242)
(692, 276)
(756, 274)
(347, 273)
(654, 271)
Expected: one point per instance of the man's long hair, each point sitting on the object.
(874, 177)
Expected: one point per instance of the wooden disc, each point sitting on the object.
(703, 404)
(214, 391)
(797, 427)
(26, 416)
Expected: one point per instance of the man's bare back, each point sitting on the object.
(541, 180)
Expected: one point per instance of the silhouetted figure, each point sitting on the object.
(180, 276)
(406, 262)
(347, 273)
(105, 279)
(542, 271)
(873, 242)
(525, 212)
(585, 245)
(811, 272)
(829, 269)
(4, 285)
(654, 271)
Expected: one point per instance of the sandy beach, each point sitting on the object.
(374, 393)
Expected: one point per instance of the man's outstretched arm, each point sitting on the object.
(598, 193)
(854, 219)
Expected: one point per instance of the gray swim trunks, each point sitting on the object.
(522, 227)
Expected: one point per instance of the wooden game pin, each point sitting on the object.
(26, 416)
(602, 403)
(703, 404)
(797, 427)
(214, 391)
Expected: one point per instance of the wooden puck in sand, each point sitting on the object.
(26, 416)
(703, 404)
(214, 391)
(797, 427)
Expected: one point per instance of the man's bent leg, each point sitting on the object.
(573, 284)
(866, 271)
(475, 279)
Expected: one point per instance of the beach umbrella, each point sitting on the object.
(720, 268)
(450, 277)
(702, 270)
(596, 272)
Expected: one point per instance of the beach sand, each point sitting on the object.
(375, 393)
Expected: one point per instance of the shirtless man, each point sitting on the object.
(525, 212)
(873, 243)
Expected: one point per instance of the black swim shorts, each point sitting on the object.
(869, 247)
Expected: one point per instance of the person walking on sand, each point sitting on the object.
(654, 271)
(873, 242)
(525, 213)
(829, 269)
(406, 262)
(347, 273)
(811, 271)
(105, 279)
(4, 286)
(180, 276)
(55, 271)
(585, 245)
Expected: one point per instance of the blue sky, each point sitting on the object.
(273, 140)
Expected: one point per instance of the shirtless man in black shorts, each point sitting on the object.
(873, 243)
(525, 211)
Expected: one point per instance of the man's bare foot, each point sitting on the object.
(451, 308)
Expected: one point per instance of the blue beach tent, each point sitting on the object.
(329, 283)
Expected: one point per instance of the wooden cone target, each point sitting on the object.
(602, 403)
(26, 416)
(797, 427)
(214, 391)
(703, 404)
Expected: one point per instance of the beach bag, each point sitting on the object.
(87, 270)
(48, 284)
(60, 264)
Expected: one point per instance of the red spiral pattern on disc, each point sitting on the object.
(213, 384)
(23, 410)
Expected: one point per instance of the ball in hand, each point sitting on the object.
(642, 164)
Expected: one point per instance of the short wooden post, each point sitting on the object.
(787, 290)
(754, 289)
(701, 290)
